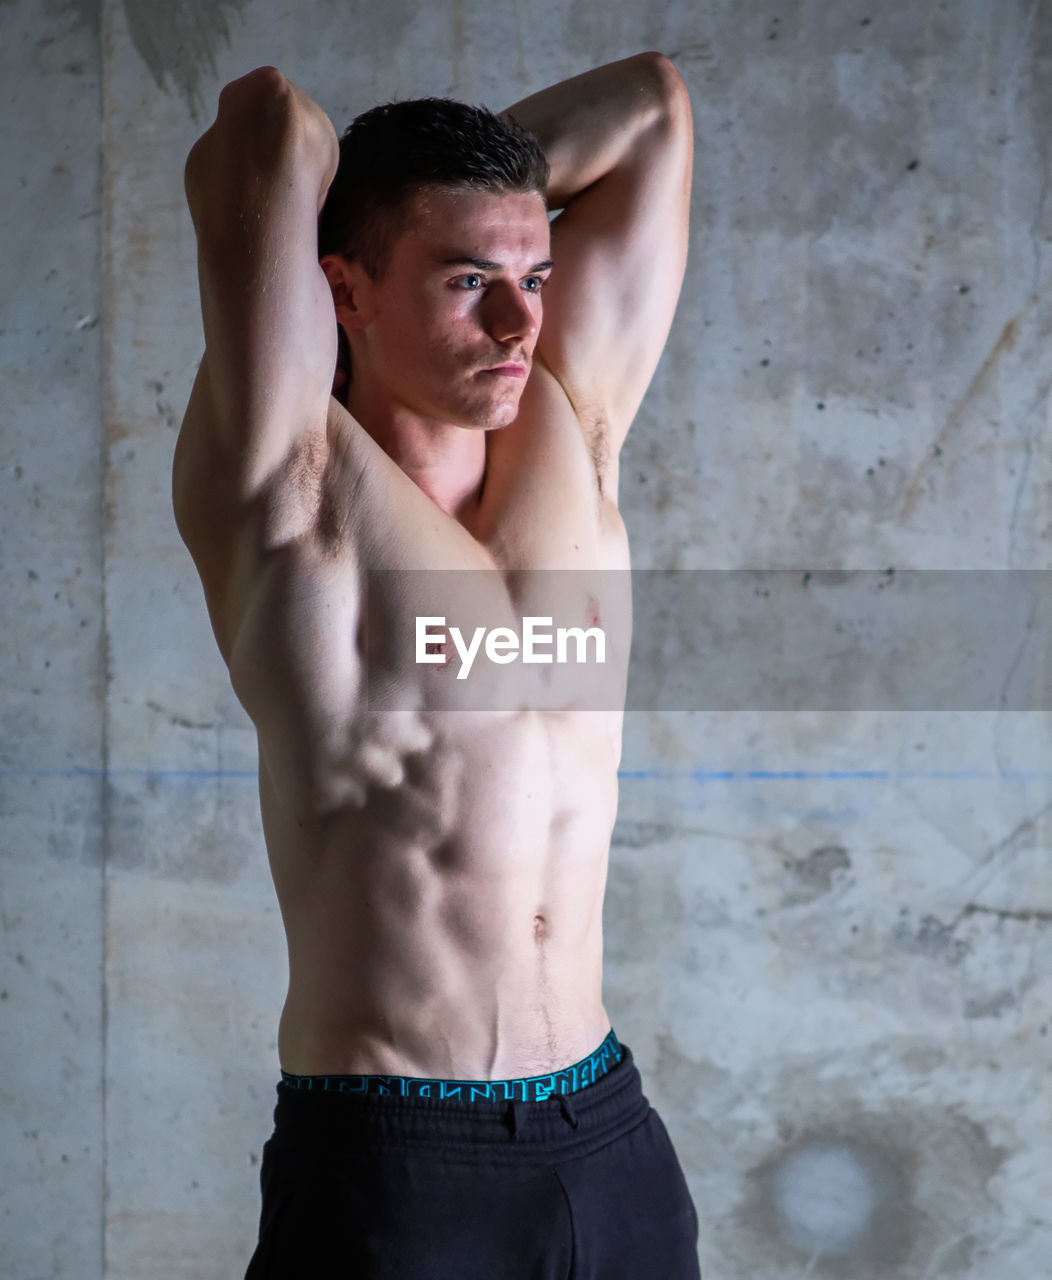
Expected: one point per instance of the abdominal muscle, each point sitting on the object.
(450, 925)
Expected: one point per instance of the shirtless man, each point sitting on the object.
(454, 1104)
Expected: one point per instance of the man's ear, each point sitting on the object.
(352, 290)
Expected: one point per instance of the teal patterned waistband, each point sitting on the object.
(525, 1089)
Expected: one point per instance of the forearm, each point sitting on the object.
(587, 125)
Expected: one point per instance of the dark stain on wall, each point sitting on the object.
(178, 41)
(631, 834)
(85, 12)
(814, 876)
(929, 937)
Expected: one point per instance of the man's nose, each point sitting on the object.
(510, 315)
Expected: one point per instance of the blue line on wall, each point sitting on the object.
(625, 775)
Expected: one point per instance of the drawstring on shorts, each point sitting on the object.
(517, 1110)
(519, 1113)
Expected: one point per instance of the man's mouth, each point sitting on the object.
(511, 370)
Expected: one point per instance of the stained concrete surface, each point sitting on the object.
(828, 934)
(52, 750)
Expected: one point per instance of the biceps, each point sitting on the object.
(619, 251)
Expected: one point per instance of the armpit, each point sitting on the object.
(596, 431)
(295, 493)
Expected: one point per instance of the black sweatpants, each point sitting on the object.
(582, 1186)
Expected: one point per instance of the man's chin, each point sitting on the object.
(504, 419)
(491, 416)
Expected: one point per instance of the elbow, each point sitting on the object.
(253, 91)
(251, 108)
(665, 90)
(264, 124)
(663, 114)
(257, 113)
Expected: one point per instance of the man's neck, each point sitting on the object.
(446, 462)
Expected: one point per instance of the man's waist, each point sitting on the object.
(534, 1088)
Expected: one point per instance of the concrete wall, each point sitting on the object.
(829, 933)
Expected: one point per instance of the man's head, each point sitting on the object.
(391, 153)
(434, 239)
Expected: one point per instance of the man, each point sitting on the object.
(454, 1102)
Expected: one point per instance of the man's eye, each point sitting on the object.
(533, 284)
(472, 281)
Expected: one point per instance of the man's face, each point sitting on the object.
(454, 319)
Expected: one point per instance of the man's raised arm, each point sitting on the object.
(620, 144)
(255, 182)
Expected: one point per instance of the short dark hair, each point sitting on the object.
(391, 152)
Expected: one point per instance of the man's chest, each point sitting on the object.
(546, 499)
(543, 504)
(523, 602)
